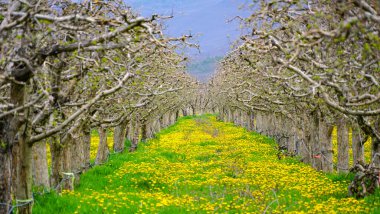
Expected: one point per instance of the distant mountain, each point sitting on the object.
(206, 20)
(204, 69)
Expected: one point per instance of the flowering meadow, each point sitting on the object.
(200, 165)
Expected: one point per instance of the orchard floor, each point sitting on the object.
(200, 165)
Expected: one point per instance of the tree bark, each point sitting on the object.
(230, 116)
(40, 166)
(161, 121)
(193, 110)
(305, 148)
(5, 179)
(119, 137)
(77, 155)
(357, 146)
(130, 131)
(22, 158)
(9, 127)
(103, 150)
(67, 163)
(375, 152)
(325, 131)
(315, 141)
(176, 116)
(172, 117)
(56, 150)
(259, 127)
(251, 121)
(235, 114)
(292, 140)
(23, 173)
(144, 130)
(135, 137)
(376, 146)
(343, 147)
(86, 140)
(265, 124)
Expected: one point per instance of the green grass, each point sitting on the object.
(199, 165)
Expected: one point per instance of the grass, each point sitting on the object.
(200, 165)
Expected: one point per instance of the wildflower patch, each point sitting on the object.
(201, 165)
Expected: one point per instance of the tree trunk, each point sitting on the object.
(251, 121)
(376, 146)
(144, 131)
(67, 163)
(292, 139)
(259, 128)
(193, 110)
(76, 155)
(357, 146)
(375, 152)
(343, 147)
(176, 115)
(9, 127)
(103, 150)
(151, 130)
(130, 131)
(40, 166)
(161, 121)
(221, 115)
(265, 121)
(86, 140)
(236, 117)
(305, 149)
(325, 131)
(23, 173)
(172, 118)
(230, 116)
(167, 119)
(56, 150)
(5, 179)
(135, 137)
(119, 137)
(156, 127)
(315, 142)
(22, 161)
(61, 163)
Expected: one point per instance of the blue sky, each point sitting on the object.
(204, 19)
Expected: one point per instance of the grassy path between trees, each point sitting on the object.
(200, 165)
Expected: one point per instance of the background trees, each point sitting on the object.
(305, 67)
(68, 67)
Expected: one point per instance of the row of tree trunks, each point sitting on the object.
(312, 139)
(70, 154)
